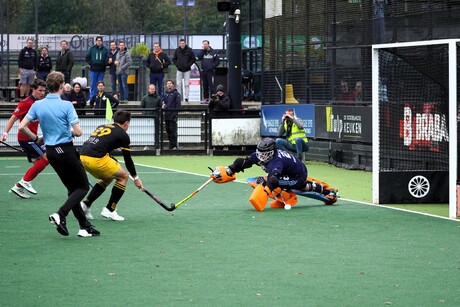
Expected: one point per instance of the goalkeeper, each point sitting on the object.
(285, 173)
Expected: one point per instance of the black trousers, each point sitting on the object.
(66, 162)
(171, 130)
(207, 78)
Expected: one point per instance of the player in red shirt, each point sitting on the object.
(35, 153)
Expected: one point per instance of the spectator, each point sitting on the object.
(78, 99)
(359, 91)
(123, 62)
(111, 58)
(99, 101)
(116, 96)
(44, 64)
(221, 101)
(27, 63)
(183, 58)
(65, 61)
(171, 101)
(296, 139)
(345, 93)
(97, 60)
(209, 62)
(151, 101)
(157, 62)
(66, 92)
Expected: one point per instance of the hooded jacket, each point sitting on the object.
(28, 58)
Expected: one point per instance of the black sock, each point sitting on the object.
(117, 192)
(97, 191)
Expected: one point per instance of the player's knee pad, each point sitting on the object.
(259, 197)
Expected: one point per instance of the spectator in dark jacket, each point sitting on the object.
(151, 101)
(44, 65)
(171, 101)
(27, 63)
(209, 62)
(66, 92)
(183, 58)
(96, 57)
(157, 62)
(99, 101)
(111, 58)
(78, 99)
(65, 61)
(221, 101)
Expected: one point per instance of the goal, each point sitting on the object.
(415, 114)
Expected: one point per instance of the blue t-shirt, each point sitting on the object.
(292, 173)
(56, 117)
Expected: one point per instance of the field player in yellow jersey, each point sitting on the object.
(95, 155)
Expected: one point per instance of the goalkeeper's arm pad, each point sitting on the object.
(240, 164)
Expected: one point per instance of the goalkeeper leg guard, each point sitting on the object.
(277, 204)
(283, 197)
(259, 197)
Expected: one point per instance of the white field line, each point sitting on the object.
(169, 170)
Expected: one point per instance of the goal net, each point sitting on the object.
(415, 111)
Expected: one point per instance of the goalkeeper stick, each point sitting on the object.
(193, 193)
(13, 147)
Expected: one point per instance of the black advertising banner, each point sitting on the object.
(413, 187)
(344, 123)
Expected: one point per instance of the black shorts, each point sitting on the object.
(32, 149)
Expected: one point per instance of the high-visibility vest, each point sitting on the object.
(295, 133)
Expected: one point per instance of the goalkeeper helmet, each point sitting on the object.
(266, 150)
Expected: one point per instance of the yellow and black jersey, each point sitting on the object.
(105, 139)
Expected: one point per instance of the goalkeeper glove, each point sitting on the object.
(222, 174)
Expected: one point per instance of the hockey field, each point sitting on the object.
(216, 250)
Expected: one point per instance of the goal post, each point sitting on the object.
(415, 113)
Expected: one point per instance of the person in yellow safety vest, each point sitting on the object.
(292, 129)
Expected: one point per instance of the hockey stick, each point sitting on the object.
(13, 147)
(193, 193)
(156, 199)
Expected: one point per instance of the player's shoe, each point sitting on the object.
(19, 192)
(332, 197)
(28, 186)
(87, 211)
(88, 232)
(59, 222)
(111, 215)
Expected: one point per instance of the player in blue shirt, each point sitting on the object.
(285, 173)
(57, 117)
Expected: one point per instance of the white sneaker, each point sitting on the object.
(27, 185)
(19, 192)
(87, 211)
(88, 232)
(111, 215)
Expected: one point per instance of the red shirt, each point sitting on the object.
(21, 111)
